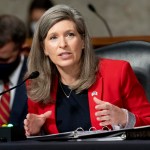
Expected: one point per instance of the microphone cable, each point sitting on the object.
(92, 8)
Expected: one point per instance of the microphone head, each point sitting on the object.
(91, 7)
(34, 75)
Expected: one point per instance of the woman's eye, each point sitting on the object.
(53, 38)
(70, 35)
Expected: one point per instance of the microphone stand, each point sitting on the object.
(92, 8)
(33, 75)
(13, 87)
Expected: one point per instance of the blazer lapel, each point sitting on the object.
(19, 108)
(96, 90)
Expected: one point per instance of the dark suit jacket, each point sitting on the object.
(19, 108)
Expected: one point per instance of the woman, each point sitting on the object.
(75, 88)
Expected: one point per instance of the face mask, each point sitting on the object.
(7, 69)
(33, 26)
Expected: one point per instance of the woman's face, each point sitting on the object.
(63, 44)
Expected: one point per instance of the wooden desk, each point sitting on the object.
(103, 41)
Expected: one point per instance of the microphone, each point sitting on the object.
(33, 75)
(92, 8)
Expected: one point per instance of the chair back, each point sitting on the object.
(137, 53)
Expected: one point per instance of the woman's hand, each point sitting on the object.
(109, 114)
(33, 123)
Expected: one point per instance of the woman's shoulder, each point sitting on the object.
(108, 61)
(113, 65)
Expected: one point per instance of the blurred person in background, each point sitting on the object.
(12, 68)
(36, 10)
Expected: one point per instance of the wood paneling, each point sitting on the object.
(97, 41)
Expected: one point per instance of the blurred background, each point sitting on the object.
(124, 17)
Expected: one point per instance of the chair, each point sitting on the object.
(137, 53)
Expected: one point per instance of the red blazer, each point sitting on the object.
(116, 83)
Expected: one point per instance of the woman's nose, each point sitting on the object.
(62, 42)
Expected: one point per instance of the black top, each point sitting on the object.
(72, 112)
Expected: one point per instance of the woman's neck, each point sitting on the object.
(68, 77)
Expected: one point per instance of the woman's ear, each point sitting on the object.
(45, 52)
